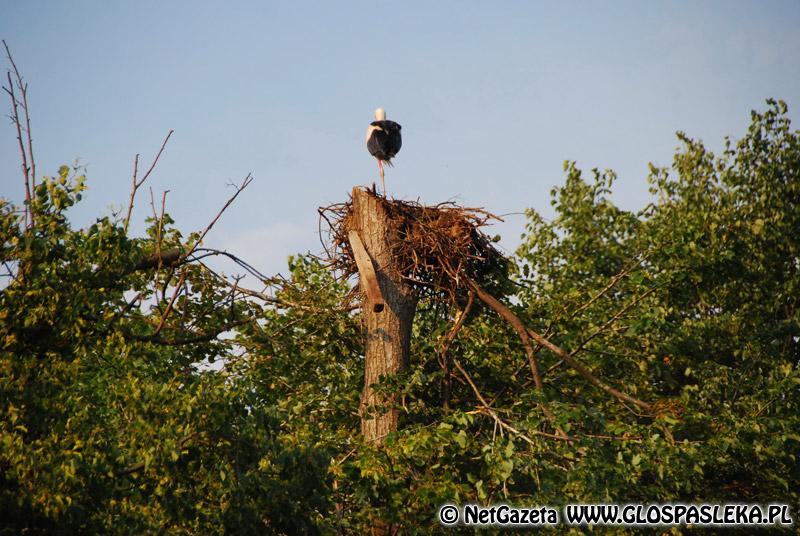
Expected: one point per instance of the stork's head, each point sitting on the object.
(380, 114)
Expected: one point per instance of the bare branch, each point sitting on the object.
(160, 220)
(138, 183)
(459, 322)
(611, 320)
(206, 252)
(586, 373)
(245, 183)
(272, 299)
(23, 154)
(614, 280)
(486, 409)
(193, 338)
(178, 288)
(23, 88)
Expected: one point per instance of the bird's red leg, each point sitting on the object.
(383, 184)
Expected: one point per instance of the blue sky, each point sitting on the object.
(492, 96)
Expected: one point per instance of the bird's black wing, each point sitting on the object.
(384, 140)
(395, 139)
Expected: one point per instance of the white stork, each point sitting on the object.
(383, 141)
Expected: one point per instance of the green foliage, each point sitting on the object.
(108, 425)
(112, 421)
(709, 327)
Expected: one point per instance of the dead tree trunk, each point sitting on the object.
(388, 328)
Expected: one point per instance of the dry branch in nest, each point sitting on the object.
(439, 248)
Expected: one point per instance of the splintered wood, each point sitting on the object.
(367, 271)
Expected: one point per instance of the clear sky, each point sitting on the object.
(492, 96)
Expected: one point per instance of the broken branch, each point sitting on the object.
(519, 327)
(517, 324)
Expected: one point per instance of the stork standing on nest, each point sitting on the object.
(383, 141)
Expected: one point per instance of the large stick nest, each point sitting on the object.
(438, 248)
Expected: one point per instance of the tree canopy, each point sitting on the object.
(113, 422)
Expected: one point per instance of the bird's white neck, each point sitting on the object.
(380, 114)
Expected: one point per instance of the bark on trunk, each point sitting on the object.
(388, 331)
